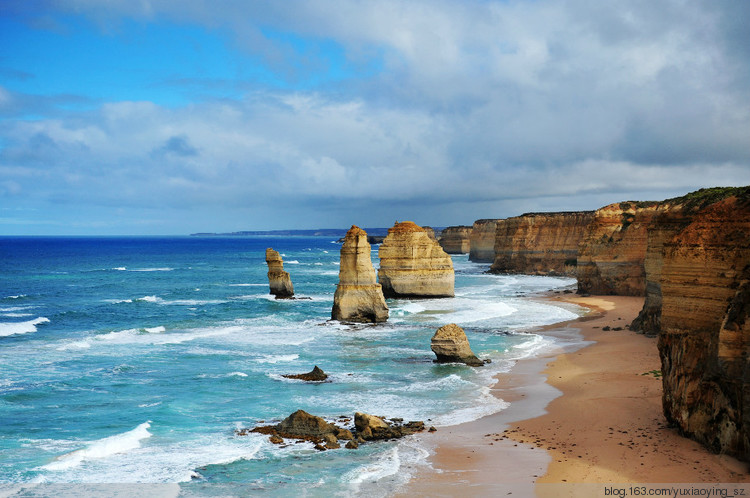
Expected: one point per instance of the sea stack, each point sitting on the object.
(278, 279)
(456, 240)
(358, 297)
(451, 345)
(414, 265)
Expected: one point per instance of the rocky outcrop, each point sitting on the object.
(315, 375)
(430, 232)
(540, 243)
(482, 241)
(278, 279)
(613, 250)
(371, 428)
(451, 345)
(456, 240)
(358, 296)
(698, 297)
(414, 265)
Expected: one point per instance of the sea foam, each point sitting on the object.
(102, 448)
(17, 328)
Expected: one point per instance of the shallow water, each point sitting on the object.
(133, 360)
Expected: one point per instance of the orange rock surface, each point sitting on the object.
(482, 241)
(456, 240)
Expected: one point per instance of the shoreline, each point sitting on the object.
(607, 385)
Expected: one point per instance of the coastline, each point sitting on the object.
(537, 445)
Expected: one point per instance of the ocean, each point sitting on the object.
(135, 360)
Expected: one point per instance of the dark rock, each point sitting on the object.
(276, 439)
(315, 375)
(351, 445)
(301, 424)
(432, 429)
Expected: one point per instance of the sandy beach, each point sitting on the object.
(578, 421)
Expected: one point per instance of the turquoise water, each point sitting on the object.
(134, 360)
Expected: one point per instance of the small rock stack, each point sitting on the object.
(278, 279)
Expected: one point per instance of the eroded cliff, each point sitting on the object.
(412, 264)
(698, 297)
(613, 250)
(482, 241)
(456, 239)
(539, 243)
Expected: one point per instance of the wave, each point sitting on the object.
(75, 345)
(237, 374)
(292, 262)
(179, 302)
(156, 330)
(153, 269)
(19, 296)
(277, 358)
(17, 328)
(248, 285)
(102, 448)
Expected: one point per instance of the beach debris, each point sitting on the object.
(315, 375)
(279, 281)
(451, 345)
(303, 426)
(358, 296)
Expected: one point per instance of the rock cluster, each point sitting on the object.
(278, 279)
(451, 345)
(456, 240)
(539, 243)
(358, 296)
(301, 425)
(414, 265)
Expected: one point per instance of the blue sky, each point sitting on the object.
(163, 117)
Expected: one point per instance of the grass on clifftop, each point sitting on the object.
(707, 196)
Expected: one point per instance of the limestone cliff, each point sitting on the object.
(279, 280)
(456, 240)
(699, 291)
(613, 250)
(539, 243)
(414, 265)
(482, 241)
(358, 296)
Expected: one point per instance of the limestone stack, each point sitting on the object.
(540, 243)
(703, 275)
(482, 241)
(612, 255)
(358, 296)
(278, 279)
(414, 265)
(456, 240)
(451, 345)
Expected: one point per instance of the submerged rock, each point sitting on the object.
(451, 345)
(315, 375)
(358, 296)
(279, 280)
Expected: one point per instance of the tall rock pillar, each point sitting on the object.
(358, 297)
(278, 279)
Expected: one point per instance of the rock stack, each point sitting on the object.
(414, 265)
(451, 345)
(278, 279)
(358, 297)
(456, 240)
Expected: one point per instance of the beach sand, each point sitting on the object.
(593, 415)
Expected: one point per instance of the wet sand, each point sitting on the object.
(592, 415)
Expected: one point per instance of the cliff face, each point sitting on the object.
(414, 265)
(358, 297)
(539, 243)
(698, 297)
(613, 250)
(482, 241)
(279, 280)
(456, 240)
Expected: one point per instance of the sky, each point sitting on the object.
(146, 117)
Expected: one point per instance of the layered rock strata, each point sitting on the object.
(456, 240)
(482, 241)
(414, 265)
(613, 250)
(279, 281)
(540, 243)
(702, 282)
(358, 296)
(451, 345)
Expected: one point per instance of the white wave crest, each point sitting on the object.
(156, 330)
(277, 358)
(17, 328)
(102, 448)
